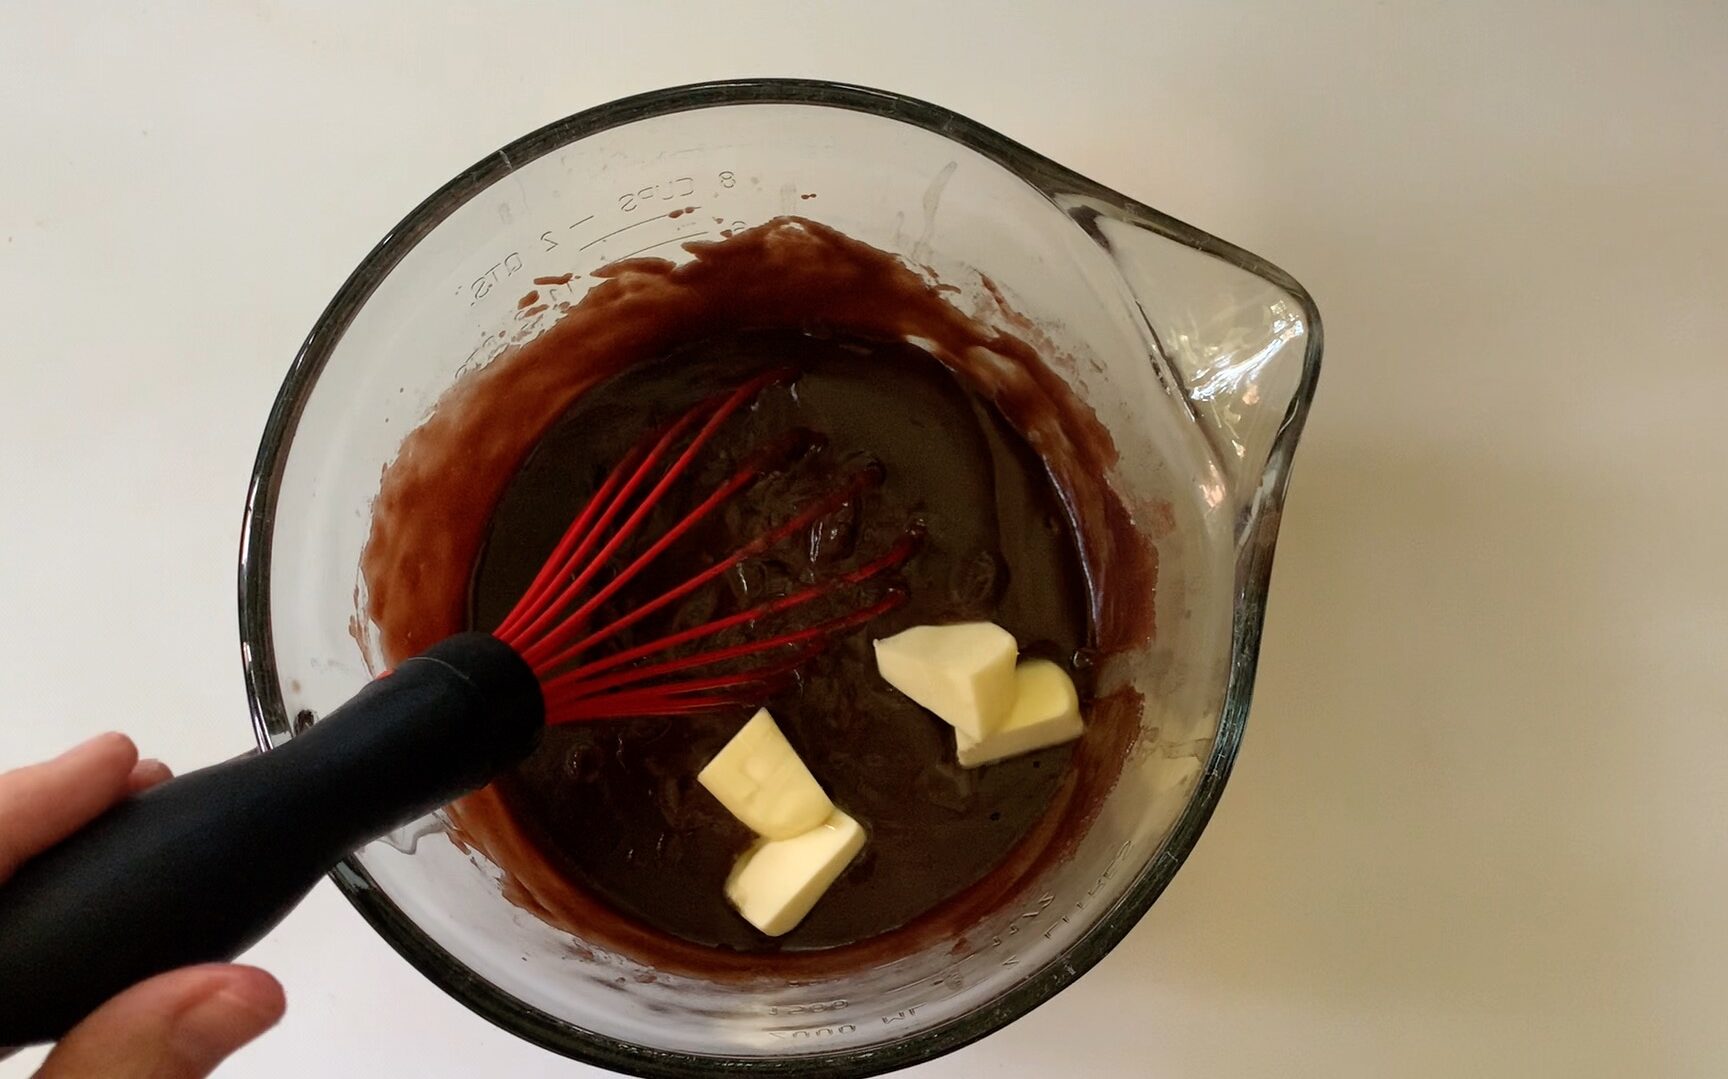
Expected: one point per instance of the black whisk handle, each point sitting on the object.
(199, 868)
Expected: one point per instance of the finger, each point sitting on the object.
(44, 803)
(178, 1025)
(146, 774)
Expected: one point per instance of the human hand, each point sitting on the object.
(178, 1025)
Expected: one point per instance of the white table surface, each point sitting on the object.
(1477, 827)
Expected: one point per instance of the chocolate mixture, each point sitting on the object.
(604, 832)
(615, 806)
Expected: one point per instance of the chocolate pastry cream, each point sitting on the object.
(604, 830)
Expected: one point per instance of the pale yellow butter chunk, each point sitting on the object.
(964, 673)
(777, 881)
(1046, 712)
(760, 779)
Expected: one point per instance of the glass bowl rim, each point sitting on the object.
(1253, 570)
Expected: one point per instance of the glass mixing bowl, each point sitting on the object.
(1198, 357)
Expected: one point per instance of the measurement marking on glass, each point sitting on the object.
(813, 1032)
(584, 221)
(662, 243)
(484, 284)
(633, 224)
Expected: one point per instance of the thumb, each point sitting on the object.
(178, 1025)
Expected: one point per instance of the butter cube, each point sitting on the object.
(964, 673)
(777, 881)
(760, 780)
(1046, 712)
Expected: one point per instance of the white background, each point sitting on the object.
(1478, 825)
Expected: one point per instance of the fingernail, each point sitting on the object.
(260, 1000)
(241, 1005)
(148, 772)
(109, 742)
(106, 737)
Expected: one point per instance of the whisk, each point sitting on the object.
(202, 866)
(551, 625)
